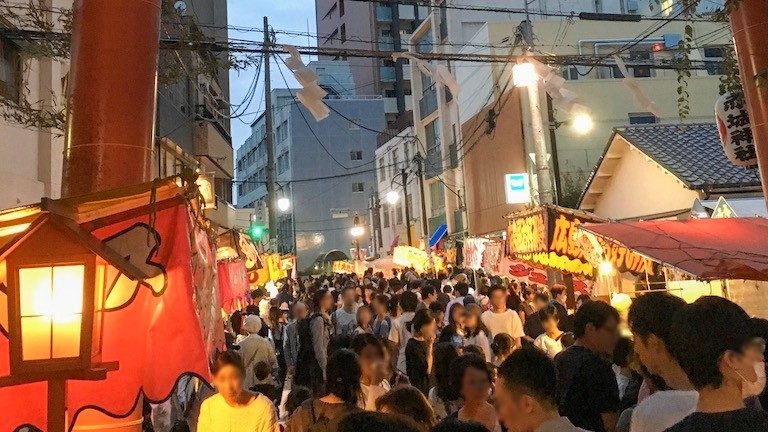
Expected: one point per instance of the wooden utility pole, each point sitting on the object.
(270, 138)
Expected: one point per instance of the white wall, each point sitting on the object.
(639, 188)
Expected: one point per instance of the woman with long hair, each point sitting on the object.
(476, 332)
(371, 353)
(342, 392)
(408, 401)
(444, 397)
(233, 408)
(364, 320)
(418, 349)
(473, 378)
(276, 325)
(454, 331)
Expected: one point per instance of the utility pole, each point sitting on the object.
(376, 222)
(397, 47)
(270, 142)
(553, 146)
(404, 177)
(420, 172)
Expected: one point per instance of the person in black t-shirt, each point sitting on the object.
(714, 341)
(587, 387)
(418, 350)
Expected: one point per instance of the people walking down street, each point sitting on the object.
(344, 319)
(587, 388)
(382, 322)
(559, 300)
(418, 350)
(341, 397)
(276, 324)
(526, 394)
(502, 346)
(371, 354)
(476, 332)
(714, 341)
(462, 291)
(255, 349)
(364, 320)
(500, 319)
(401, 330)
(551, 341)
(533, 325)
(453, 332)
(650, 320)
(444, 396)
(314, 336)
(233, 408)
(291, 340)
(408, 401)
(474, 380)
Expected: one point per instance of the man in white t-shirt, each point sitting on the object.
(650, 319)
(500, 319)
(462, 290)
(401, 332)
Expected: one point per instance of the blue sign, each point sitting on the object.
(439, 233)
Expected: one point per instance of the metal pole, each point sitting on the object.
(553, 146)
(404, 177)
(270, 142)
(57, 405)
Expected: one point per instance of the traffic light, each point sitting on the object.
(257, 232)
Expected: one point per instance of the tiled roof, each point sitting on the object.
(691, 152)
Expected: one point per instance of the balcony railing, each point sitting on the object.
(436, 221)
(433, 165)
(386, 43)
(383, 13)
(387, 73)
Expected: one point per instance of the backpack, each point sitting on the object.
(309, 374)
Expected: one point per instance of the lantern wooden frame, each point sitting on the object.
(53, 241)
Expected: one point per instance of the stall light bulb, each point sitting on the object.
(582, 123)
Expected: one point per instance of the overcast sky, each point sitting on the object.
(291, 15)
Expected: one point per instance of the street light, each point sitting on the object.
(283, 204)
(357, 231)
(524, 75)
(582, 123)
(393, 197)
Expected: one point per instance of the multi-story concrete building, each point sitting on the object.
(392, 158)
(469, 150)
(326, 169)
(372, 26)
(193, 125)
(32, 156)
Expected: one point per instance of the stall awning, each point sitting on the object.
(705, 248)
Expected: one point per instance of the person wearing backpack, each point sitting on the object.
(314, 335)
(382, 322)
(342, 392)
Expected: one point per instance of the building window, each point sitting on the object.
(571, 73)
(642, 118)
(343, 33)
(10, 70)
(382, 170)
(283, 163)
(436, 199)
(395, 162)
(356, 155)
(385, 218)
(713, 58)
(399, 214)
(341, 8)
(358, 187)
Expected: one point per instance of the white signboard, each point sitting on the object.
(517, 188)
(735, 132)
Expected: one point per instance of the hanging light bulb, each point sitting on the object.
(582, 123)
(393, 197)
(283, 204)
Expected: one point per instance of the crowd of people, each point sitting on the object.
(463, 352)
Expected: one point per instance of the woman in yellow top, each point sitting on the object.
(233, 408)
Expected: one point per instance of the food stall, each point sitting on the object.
(691, 258)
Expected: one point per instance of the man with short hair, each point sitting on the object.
(559, 301)
(462, 291)
(428, 296)
(291, 339)
(713, 340)
(344, 319)
(526, 394)
(401, 329)
(650, 320)
(587, 387)
(500, 319)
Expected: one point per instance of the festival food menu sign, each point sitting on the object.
(548, 236)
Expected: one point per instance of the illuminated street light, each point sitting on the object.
(357, 231)
(393, 197)
(283, 204)
(582, 123)
(524, 75)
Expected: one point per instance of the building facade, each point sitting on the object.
(467, 137)
(372, 26)
(393, 159)
(326, 170)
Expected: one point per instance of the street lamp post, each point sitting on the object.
(357, 231)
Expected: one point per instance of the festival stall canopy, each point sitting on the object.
(707, 249)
